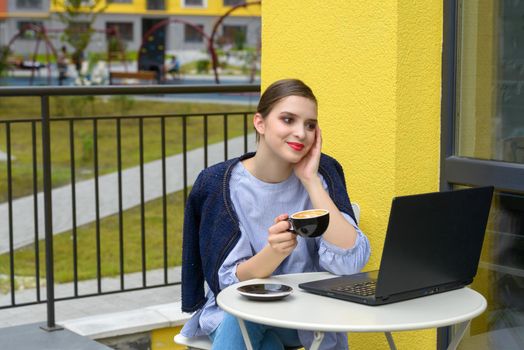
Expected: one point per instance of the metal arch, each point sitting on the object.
(215, 29)
(41, 34)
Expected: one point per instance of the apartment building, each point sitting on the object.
(3, 27)
(177, 23)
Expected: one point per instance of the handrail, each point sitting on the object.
(44, 92)
(126, 90)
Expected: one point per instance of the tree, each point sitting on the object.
(4, 64)
(78, 17)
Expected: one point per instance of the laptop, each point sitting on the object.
(433, 244)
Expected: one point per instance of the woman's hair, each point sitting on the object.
(279, 90)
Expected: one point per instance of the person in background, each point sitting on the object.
(236, 228)
(61, 64)
(174, 67)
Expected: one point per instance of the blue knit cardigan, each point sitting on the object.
(211, 226)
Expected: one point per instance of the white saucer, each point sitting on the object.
(265, 291)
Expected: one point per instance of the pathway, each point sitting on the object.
(23, 222)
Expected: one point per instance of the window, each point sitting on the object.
(191, 35)
(124, 30)
(84, 2)
(194, 3)
(156, 4)
(233, 2)
(490, 100)
(27, 29)
(29, 4)
(234, 35)
(482, 144)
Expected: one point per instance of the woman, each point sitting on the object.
(236, 225)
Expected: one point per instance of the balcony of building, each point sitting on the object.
(93, 203)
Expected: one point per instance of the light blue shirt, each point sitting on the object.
(257, 204)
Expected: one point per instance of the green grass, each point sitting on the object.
(24, 258)
(42, 57)
(191, 68)
(22, 176)
(21, 136)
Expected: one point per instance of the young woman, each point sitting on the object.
(235, 225)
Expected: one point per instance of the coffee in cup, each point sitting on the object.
(309, 223)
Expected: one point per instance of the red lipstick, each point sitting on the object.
(296, 146)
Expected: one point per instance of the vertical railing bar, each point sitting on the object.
(245, 132)
(142, 200)
(205, 141)
(73, 204)
(97, 207)
(35, 211)
(164, 192)
(10, 214)
(225, 136)
(48, 214)
(120, 203)
(184, 155)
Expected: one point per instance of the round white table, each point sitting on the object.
(303, 310)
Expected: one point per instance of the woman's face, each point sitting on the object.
(289, 129)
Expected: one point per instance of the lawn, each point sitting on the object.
(21, 135)
(22, 175)
(109, 242)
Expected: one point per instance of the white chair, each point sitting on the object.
(356, 210)
(203, 342)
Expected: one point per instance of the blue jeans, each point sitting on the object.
(228, 336)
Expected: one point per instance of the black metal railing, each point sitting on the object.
(41, 146)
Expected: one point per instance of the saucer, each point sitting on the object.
(265, 291)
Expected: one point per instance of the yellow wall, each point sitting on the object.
(375, 67)
(213, 8)
(162, 339)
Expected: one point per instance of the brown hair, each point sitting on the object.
(281, 89)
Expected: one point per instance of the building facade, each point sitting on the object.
(178, 22)
(3, 26)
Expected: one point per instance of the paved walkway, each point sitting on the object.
(91, 306)
(23, 222)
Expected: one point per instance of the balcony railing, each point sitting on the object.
(41, 141)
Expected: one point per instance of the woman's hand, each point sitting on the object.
(307, 169)
(280, 239)
(265, 262)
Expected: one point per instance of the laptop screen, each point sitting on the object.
(433, 239)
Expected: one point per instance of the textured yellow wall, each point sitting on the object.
(162, 339)
(375, 67)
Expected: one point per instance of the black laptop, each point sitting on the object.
(433, 244)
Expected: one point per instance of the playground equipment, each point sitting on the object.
(152, 50)
(34, 65)
(150, 53)
(214, 32)
(42, 35)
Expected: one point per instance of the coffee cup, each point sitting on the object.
(309, 223)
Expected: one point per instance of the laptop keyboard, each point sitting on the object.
(363, 289)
